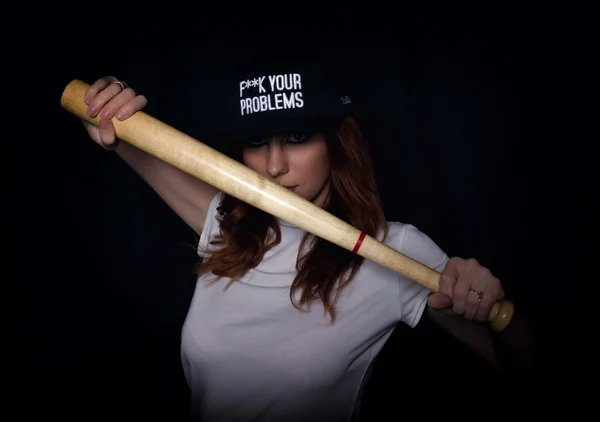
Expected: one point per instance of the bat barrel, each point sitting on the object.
(199, 160)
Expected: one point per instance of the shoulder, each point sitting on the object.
(410, 241)
(211, 224)
(213, 209)
(407, 299)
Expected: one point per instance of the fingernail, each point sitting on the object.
(91, 111)
(120, 115)
(106, 114)
(86, 100)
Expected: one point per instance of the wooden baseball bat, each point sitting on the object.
(197, 159)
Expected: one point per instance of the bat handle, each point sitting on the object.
(501, 315)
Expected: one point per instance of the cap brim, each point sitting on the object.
(300, 125)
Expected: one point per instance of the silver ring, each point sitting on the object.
(122, 84)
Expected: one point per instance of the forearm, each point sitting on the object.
(519, 349)
(188, 196)
(145, 165)
(515, 351)
(475, 336)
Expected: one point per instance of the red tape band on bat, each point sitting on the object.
(358, 242)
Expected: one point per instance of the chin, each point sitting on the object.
(303, 196)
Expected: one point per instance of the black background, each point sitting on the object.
(481, 137)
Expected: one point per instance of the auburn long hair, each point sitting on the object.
(325, 268)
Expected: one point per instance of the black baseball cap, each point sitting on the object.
(265, 95)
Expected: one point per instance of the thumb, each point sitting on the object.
(439, 301)
(107, 134)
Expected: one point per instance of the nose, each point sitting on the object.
(277, 163)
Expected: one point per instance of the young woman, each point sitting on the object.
(284, 326)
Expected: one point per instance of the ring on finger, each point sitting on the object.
(122, 84)
(479, 295)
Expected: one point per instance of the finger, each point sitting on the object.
(131, 107)
(439, 301)
(100, 100)
(473, 305)
(114, 104)
(490, 296)
(107, 132)
(96, 87)
(483, 291)
(461, 293)
(448, 277)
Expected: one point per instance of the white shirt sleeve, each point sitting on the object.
(211, 225)
(413, 296)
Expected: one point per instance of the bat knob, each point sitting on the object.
(501, 315)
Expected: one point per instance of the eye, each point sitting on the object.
(297, 138)
(256, 143)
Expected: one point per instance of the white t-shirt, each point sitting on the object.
(249, 355)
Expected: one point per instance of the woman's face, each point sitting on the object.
(296, 161)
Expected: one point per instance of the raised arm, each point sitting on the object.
(188, 196)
